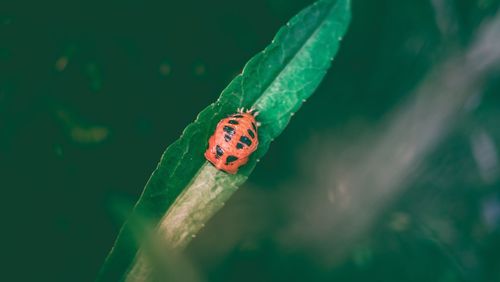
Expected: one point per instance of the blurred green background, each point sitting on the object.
(92, 92)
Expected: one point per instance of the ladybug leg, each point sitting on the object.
(253, 111)
(258, 124)
(240, 110)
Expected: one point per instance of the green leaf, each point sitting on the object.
(276, 82)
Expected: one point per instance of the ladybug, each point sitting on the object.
(234, 140)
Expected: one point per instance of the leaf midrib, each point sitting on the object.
(299, 50)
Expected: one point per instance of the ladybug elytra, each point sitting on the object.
(234, 140)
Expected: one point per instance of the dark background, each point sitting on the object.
(92, 92)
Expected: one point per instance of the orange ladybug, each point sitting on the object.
(234, 140)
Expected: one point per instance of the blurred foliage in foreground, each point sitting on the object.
(92, 92)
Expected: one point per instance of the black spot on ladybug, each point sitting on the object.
(227, 138)
(239, 146)
(219, 152)
(245, 140)
(250, 132)
(254, 127)
(238, 116)
(231, 159)
(234, 122)
(229, 130)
